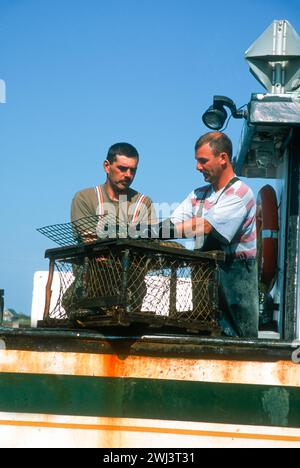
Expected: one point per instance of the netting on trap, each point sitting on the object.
(83, 230)
(119, 282)
(93, 228)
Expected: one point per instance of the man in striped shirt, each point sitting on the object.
(222, 217)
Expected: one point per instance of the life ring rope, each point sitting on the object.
(269, 234)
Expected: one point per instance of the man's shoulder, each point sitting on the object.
(85, 193)
(200, 192)
(85, 198)
(241, 189)
(134, 195)
(84, 204)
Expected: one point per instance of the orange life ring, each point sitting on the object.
(267, 237)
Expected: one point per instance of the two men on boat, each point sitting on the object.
(220, 215)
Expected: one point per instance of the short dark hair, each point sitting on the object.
(218, 141)
(124, 149)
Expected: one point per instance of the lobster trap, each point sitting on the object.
(124, 281)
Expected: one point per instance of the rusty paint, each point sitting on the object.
(282, 373)
(286, 372)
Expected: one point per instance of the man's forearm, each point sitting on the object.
(193, 227)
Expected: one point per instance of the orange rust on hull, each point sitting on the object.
(284, 373)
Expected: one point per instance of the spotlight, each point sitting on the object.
(215, 116)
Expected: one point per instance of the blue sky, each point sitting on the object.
(84, 74)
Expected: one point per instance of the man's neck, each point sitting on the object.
(224, 180)
(112, 193)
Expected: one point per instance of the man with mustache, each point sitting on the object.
(110, 210)
(221, 215)
(115, 200)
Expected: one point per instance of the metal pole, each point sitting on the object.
(48, 290)
(125, 268)
(1, 305)
(173, 286)
(292, 241)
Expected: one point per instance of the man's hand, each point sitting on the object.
(194, 227)
(163, 230)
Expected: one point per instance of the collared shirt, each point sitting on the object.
(231, 212)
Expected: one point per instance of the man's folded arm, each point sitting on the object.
(168, 230)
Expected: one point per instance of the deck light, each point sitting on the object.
(215, 116)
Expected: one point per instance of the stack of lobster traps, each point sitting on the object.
(126, 281)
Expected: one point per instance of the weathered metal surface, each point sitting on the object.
(106, 391)
(292, 244)
(281, 373)
(98, 246)
(100, 400)
(135, 341)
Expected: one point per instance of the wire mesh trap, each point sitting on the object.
(79, 231)
(124, 281)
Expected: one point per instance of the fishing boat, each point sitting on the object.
(144, 386)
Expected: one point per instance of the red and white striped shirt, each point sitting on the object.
(231, 212)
